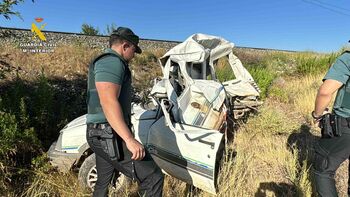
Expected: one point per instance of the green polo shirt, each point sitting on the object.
(340, 71)
(114, 69)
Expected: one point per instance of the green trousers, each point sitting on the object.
(329, 154)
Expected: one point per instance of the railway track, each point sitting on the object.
(141, 39)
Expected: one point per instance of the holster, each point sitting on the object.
(108, 140)
(329, 126)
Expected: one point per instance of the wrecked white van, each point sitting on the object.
(185, 130)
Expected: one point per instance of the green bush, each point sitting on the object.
(43, 116)
(308, 63)
(45, 104)
(17, 146)
(225, 73)
(31, 115)
(14, 138)
(263, 77)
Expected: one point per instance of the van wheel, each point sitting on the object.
(88, 175)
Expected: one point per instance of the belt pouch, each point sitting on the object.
(327, 126)
(337, 126)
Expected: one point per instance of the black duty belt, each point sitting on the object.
(97, 125)
(102, 125)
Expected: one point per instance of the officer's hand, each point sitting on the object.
(136, 148)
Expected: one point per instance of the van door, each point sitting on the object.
(189, 153)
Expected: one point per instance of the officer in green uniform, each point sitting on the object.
(108, 120)
(331, 152)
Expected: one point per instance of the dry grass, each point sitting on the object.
(66, 62)
(299, 92)
(265, 164)
(55, 184)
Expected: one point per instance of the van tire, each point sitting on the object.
(88, 175)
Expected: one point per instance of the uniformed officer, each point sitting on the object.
(331, 152)
(109, 109)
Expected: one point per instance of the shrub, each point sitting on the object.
(224, 71)
(42, 113)
(263, 77)
(89, 30)
(17, 146)
(309, 63)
